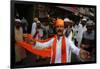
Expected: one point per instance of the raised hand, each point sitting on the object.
(84, 55)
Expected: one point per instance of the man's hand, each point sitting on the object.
(32, 42)
(84, 55)
(25, 37)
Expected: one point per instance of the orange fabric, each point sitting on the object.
(63, 51)
(54, 50)
(59, 22)
(43, 53)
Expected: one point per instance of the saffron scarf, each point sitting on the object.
(63, 50)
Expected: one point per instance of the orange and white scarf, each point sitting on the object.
(63, 50)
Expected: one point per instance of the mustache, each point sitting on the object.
(59, 30)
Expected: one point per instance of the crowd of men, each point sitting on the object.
(81, 32)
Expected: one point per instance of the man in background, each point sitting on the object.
(20, 53)
(88, 40)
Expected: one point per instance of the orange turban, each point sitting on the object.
(59, 22)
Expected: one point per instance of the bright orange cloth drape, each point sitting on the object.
(43, 53)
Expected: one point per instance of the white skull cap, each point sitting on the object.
(90, 22)
(35, 19)
(18, 20)
(67, 20)
(84, 19)
(38, 21)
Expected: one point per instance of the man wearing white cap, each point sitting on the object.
(19, 51)
(34, 25)
(36, 31)
(79, 29)
(88, 40)
(68, 27)
(39, 32)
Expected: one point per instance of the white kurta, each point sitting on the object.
(40, 34)
(79, 29)
(19, 51)
(33, 30)
(70, 47)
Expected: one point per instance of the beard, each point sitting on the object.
(17, 26)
